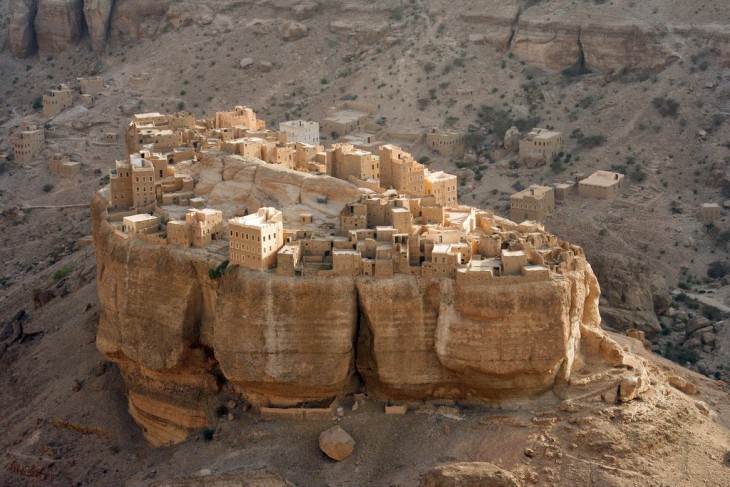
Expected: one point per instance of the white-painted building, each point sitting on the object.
(301, 131)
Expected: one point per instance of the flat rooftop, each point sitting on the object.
(345, 116)
(140, 218)
(533, 191)
(603, 178)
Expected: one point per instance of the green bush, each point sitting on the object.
(47, 188)
(718, 269)
(667, 107)
(591, 141)
(37, 103)
(217, 272)
(61, 273)
(207, 434)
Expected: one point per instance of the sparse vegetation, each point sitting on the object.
(591, 141)
(667, 107)
(217, 272)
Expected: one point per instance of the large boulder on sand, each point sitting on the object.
(336, 443)
(291, 30)
(469, 474)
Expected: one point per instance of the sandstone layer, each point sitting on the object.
(98, 15)
(21, 30)
(178, 336)
(59, 24)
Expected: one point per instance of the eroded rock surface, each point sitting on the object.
(59, 24)
(21, 29)
(178, 335)
(98, 15)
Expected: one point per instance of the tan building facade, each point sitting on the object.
(541, 145)
(60, 165)
(710, 212)
(534, 203)
(91, 86)
(398, 170)
(27, 143)
(443, 186)
(56, 101)
(448, 144)
(601, 185)
(255, 239)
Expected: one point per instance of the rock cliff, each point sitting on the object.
(178, 336)
(21, 30)
(59, 24)
(98, 15)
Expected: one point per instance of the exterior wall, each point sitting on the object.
(179, 233)
(254, 240)
(541, 144)
(443, 187)
(446, 144)
(287, 259)
(61, 166)
(143, 185)
(239, 116)
(140, 224)
(534, 203)
(346, 263)
(301, 131)
(513, 261)
(27, 143)
(56, 101)
(206, 225)
(710, 212)
(91, 86)
(120, 187)
(601, 185)
(400, 171)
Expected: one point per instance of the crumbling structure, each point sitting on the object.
(57, 100)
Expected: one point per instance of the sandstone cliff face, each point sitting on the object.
(21, 30)
(98, 14)
(632, 294)
(136, 19)
(178, 336)
(59, 24)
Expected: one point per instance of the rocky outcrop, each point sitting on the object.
(136, 19)
(631, 293)
(290, 30)
(98, 15)
(59, 24)
(21, 30)
(469, 474)
(178, 335)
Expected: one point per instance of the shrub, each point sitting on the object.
(207, 434)
(37, 103)
(718, 269)
(47, 188)
(667, 107)
(637, 175)
(218, 271)
(591, 141)
(424, 159)
(61, 273)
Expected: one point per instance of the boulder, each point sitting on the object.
(512, 140)
(697, 323)
(246, 62)
(265, 66)
(59, 24)
(336, 443)
(683, 385)
(627, 293)
(21, 31)
(97, 14)
(469, 474)
(708, 338)
(291, 30)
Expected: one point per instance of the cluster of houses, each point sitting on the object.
(409, 222)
